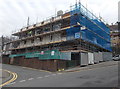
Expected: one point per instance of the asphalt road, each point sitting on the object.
(97, 77)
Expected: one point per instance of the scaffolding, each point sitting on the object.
(76, 30)
(85, 25)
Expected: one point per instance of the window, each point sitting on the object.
(51, 37)
(63, 34)
(24, 42)
(57, 26)
(38, 31)
(32, 41)
(46, 29)
(40, 38)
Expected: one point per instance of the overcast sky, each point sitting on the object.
(14, 13)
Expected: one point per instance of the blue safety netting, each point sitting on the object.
(71, 32)
(95, 30)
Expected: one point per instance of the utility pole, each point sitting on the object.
(1, 48)
(2, 43)
(28, 20)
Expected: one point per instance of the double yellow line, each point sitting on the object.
(11, 80)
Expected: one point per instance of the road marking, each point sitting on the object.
(22, 81)
(30, 78)
(39, 77)
(47, 75)
(11, 80)
(59, 73)
(53, 74)
(11, 83)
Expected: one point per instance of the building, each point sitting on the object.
(1, 47)
(115, 34)
(115, 38)
(56, 43)
(4, 48)
(3, 42)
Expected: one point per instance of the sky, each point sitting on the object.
(14, 13)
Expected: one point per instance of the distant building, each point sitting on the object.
(4, 49)
(1, 45)
(4, 45)
(115, 38)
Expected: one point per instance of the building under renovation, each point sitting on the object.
(58, 42)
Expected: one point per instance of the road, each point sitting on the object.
(96, 77)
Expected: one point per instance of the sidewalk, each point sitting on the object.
(4, 76)
(102, 64)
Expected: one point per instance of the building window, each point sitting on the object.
(30, 33)
(40, 38)
(46, 29)
(63, 35)
(24, 42)
(32, 41)
(57, 26)
(38, 31)
(51, 38)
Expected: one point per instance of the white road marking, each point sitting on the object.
(11, 83)
(33, 78)
(47, 75)
(30, 78)
(53, 74)
(22, 81)
(59, 73)
(39, 77)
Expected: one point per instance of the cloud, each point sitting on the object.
(108, 9)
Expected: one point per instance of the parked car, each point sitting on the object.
(116, 58)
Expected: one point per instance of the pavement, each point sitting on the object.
(4, 76)
(99, 75)
(99, 65)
